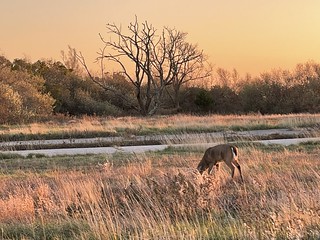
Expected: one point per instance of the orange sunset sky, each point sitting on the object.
(252, 36)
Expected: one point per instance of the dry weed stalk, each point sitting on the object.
(174, 123)
(280, 198)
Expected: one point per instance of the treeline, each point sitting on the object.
(275, 92)
(35, 91)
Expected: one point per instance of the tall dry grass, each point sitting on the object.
(163, 124)
(163, 197)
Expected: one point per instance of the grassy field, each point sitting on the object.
(101, 127)
(160, 196)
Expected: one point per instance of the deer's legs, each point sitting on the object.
(235, 163)
(230, 165)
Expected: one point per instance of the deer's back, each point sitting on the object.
(219, 153)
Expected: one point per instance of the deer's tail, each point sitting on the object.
(234, 151)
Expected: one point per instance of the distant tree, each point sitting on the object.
(188, 63)
(251, 97)
(22, 96)
(59, 83)
(306, 71)
(70, 60)
(19, 64)
(74, 94)
(119, 82)
(225, 100)
(4, 62)
(204, 100)
(150, 61)
(229, 79)
(11, 104)
(191, 102)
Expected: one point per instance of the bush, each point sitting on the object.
(22, 97)
(204, 100)
(225, 100)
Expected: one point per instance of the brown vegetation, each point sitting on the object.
(161, 124)
(161, 196)
(49, 86)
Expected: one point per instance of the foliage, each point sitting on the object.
(29, 91)
(73, 93)
(225, 100)
(281, 93)
(11, 104)
(22, 96)
(203, 100)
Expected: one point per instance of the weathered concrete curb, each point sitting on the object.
(156, 139)
(140, 149)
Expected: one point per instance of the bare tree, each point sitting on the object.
(187, 61)
(138, 46)
(229, 79)
(151, 61)
(104, 85)
(70, 60)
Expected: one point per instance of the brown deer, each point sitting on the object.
(214, 155)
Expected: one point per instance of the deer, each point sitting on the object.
(220, 153)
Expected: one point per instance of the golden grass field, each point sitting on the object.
(163, 124)
(160, 195)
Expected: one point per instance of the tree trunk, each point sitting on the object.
(142, 107)
(176, 96)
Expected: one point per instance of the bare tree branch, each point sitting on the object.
(159, 60)
(82, 61)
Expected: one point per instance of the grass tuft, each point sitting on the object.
(91, 127)
(161, 196)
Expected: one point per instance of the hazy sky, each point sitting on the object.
(250, 35)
